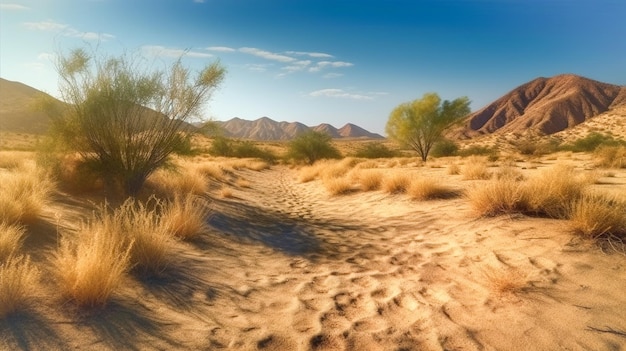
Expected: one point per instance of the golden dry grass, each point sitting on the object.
(243, 183)
(498, 196)
(91, 266)
(597, 216)
(187, 180)
(505, 281)
(23, 194)
(186, 216)
(11, 237)
(610, 157)
(13, 159)
(395, 183)
(551, 192)
(425, 188)
(475, 170)
(225, 193)
(454, 169)
(211, 170)
(368, 179)
(18, 284)
(338, 185)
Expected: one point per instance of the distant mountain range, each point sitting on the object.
(265, 128)
(546, 106)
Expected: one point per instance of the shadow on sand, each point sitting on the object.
(28, 330)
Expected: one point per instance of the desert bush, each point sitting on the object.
(375, 150)
(23, 195)
(211, 170)
(423, 188)
(338, 185)
(222, 146)
(185, 216)
(454, 169)
(536, 145)
(11, 237)
(91, 266)
(599, 217)
(475, 168)
(396, 183)
(444, 148)
(477, 150)
(312, 146)
(11, 159)
(509, 172)
(169, 183)
(126, 120)
(610, 156)
(369, 179)
(18, 284)
(498, 196)
(552, 192)
(308, 173)
(591, 142)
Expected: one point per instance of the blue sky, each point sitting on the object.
(319, 61)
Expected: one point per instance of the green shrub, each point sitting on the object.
(444, 148)
(375, 150)
(312, 146)
(477, 150)
(591, 142)
(226, 147)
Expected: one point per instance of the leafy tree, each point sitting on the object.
(125, 119)
(420, 123)
(312, 146)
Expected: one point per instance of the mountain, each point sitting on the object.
(267, 129)
(545, 105)
(18, 109)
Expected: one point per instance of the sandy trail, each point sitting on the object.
(289, 267)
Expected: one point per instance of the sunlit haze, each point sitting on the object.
(336, 62)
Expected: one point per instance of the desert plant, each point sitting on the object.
(124, 120)
(444, 148)
(18, 282)
(498, 196)
(369, 179)
(23, 195)
(11, 237)
(552, 192)
(599, 217)
(475, 168)
(185, 216)
(591, 142)
(424, 188)
(375, 150)
(184, 180)
(610, 156)
(478, 150)
(454, 169)
(506, 281)
(396, 183)
(421, 122)
(338, 185)
(312, 146)
(91, 266)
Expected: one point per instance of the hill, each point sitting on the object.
(545, 106)
(18, 109)
(267, 129)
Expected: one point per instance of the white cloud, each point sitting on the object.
(66, 30)
(221, 49)
(339, 93)
(13, 7)
(45, 26)
(257, 67)
(267, 55)
(157, 50)
(297, 66)
(332, 75)
(332, 64)
(311, 54)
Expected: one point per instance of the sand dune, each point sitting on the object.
(289, 267)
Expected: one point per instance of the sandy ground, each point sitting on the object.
(289, 267)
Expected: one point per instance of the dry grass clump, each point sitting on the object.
(475, 170)
(246, 163)
(424, 188)
(599, 217)
(338, 186)
(553, 191)
(18, 281)
(396, 183)
(11, 237)
(169, 183)
(454, 169)
(211, 170)
(610, 156)
(498, 196)
(23, 195)
(91, 266)
(12, 159)
(186, 216)
(506, 281)
(225, 193)
(368, 179)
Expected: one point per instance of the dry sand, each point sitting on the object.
(289, 267)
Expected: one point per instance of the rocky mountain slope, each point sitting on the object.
(546, 106)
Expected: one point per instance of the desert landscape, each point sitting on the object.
(497, 248)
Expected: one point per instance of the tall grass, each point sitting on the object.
(23, 194)
(396, 183)
(18, 283)
(186, 216)
(610, 156)
(91, 266)
(11, 237)
(368, 179)
(169, 183)
(424, 188)
(475, 169)
(338, 185)
(597, 216)
(552, 192)
(498, 196)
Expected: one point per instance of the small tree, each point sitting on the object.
(420, 123)
(312, 146)
(126, 120)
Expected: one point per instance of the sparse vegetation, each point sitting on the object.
(369, 179)
(424, 188)
(18, 284)
(591, 142)
(475, 168)
(375, 150)
(226, 147)
(610, 156)
(126, 121)
(23, 194)
(599, 217)
(186, 216)
(445, 148)
(312, 146)
(396, 183)
(11, 237)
